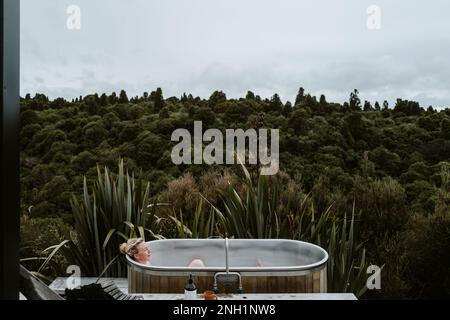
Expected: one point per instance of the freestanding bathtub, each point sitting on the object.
(231, 265)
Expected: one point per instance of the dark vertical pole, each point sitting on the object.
(9, 135)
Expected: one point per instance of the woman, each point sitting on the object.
(138, 250)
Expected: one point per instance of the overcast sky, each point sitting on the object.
(267, 46)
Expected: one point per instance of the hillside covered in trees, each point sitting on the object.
(390, 163)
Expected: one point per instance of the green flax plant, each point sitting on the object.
(254, 216)
(347, 263)
(110, 212)
(204, 224)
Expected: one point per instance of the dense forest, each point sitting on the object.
(388, 164)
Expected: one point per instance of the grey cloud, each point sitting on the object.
(88, 59)
(234, 46)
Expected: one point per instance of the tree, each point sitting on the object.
(323, 100)
(428, 123)
(112, 98)
(103, 100)
(287, 109)
(300, 96)
(43, 140)
(234, 112)
(29, 117)
(250, 95)
(445, 128)
(436, 150)
(83, 161)
(110, 120)
(367, 106)
(377, 106)
(94, 134)
(58, 103)
(409, 108)
(123, 98)
(346, 107)
(355, 102)
(275, 103)
(149, 150)
(382, 204)
(27, 133)
(428, 255)
(158, 100)
(386, 161)
(206, 115)
(92, 106)
(216, 98)
(310, 101)
(355, 125)
(164, 113)
(135, 111)
(299, 121)
(129, 133)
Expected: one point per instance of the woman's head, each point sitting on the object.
(136, 249)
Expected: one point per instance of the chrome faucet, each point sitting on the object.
(227, 277)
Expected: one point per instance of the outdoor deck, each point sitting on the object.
(59, 286)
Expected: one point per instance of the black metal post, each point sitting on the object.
(9, 149)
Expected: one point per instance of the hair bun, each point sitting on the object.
(123, 248)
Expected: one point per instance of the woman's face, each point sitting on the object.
(143, 255)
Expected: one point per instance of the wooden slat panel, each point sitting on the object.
(110, 289)
(273, 284)
(316, 282)
(164, 283)
(140, 283)
(309, 284)
(118, 295)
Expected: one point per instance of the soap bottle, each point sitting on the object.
(190, 290)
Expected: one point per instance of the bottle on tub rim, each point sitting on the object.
(190, 290)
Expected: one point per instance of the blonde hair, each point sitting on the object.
(130, 247)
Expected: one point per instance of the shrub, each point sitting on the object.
(36, 235)
(382, 204)
(182, 195)
(428, 253)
